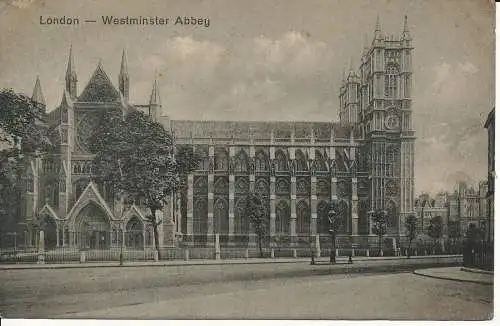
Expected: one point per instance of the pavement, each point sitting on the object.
(401, 296)
(367, 289)
(195, 262)
(459, 274)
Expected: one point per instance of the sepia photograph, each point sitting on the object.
(249, 160)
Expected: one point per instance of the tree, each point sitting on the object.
(333, 213)
(256, 213)
(134, 158)
(435, 229)
(411, 230)
(379, 226)
(23, 136)
(474, 234)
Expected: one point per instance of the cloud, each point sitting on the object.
(258, 78)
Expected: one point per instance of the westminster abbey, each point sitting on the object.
(365, 161)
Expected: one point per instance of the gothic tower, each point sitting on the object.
(385, 122)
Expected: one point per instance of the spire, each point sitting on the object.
(37, 96)
(406, 31)
(155, 95)
(123, 79)
(71, 78)
(154, 101)
(378, 30)
(70, 71)
(124, 68)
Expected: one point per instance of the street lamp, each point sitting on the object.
(331, 218)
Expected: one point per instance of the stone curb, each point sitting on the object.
(423, 273)
(475, 270)
(206, 263)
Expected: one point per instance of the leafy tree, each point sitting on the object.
(411, 230)
(256, 213)
(334, 215)
(435, 229)
(23, 136)
(135, 159)
(379, 226)
(474, 234)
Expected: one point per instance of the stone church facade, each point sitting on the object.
(365, 161)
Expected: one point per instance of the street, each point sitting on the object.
(278, 290)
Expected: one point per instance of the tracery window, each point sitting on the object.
(241, 162)
(282, 161)
(261, 162)
(391, 77)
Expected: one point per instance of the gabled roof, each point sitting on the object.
(47, 209)
(99, 88)
(90, 194)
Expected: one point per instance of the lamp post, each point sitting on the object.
(331, 218)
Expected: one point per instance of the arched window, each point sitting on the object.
(282, 223)
(392, 158)
(261, 162)
(221, 160)
(203, 155)
(241, 162)
(303, 218)
(322, 223)
(241, 223)
(391, 77)
(319, 162)
(301, 161)
(221, 222)
(281, 159)
(200, 217)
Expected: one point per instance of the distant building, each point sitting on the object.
(467, 205)
(427, 208)
(490, 194)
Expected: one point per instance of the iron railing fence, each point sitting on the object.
(204, 247)
(479, 255)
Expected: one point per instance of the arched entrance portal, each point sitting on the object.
(92, 228)
(134, 237)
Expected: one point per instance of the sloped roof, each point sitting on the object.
(99, 88)
(259, 129)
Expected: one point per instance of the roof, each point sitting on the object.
(258, 129)
(99, 88)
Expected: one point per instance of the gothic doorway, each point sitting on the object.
(92, 228)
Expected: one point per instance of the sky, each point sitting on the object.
(272, 60)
